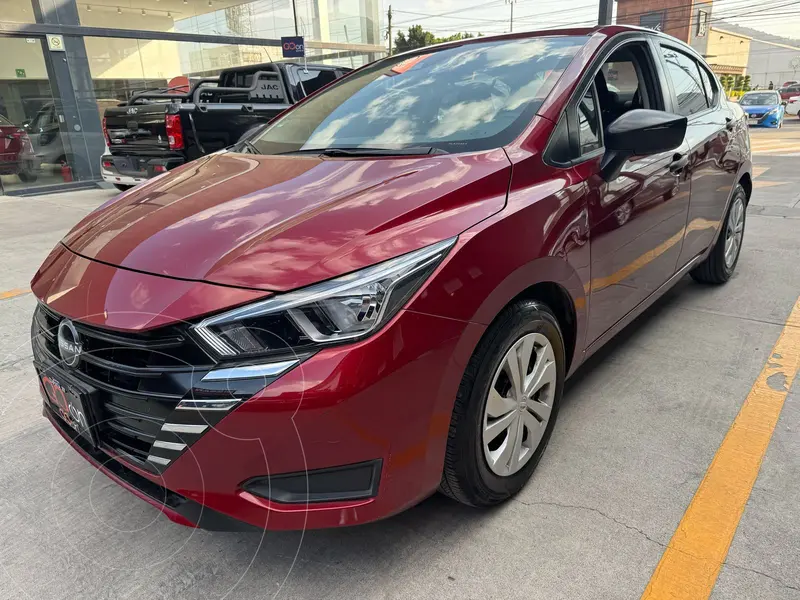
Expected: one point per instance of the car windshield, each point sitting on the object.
(470, 97)
(759, 99)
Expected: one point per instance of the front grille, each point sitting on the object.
(139, 378)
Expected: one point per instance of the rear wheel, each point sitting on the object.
(721, 262)
(506, 406)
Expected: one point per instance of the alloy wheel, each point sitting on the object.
(519, 404)
(734, 231)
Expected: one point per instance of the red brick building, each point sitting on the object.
(687, 20)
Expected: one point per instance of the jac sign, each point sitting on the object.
(293, 47)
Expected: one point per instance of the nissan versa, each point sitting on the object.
(381, 293)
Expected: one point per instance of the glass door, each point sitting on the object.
(31, 125)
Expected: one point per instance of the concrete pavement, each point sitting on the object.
(638, 428)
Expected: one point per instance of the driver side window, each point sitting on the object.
(625, 81)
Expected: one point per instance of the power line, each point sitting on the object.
(474, 26)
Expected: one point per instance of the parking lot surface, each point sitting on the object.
(639, 429)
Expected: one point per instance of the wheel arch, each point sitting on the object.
(553, 281)
(557, 298)
(746, 181)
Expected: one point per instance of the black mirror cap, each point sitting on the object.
(641, 132)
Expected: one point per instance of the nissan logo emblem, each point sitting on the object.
(69, 343)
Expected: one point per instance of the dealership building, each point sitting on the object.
(64, 61)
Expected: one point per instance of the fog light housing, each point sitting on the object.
(348, 482)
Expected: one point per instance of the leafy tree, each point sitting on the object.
(417, 37)
(455, 37)
(746, 83)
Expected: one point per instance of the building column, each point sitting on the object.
(71, 82)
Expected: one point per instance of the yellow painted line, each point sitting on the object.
(691, 563)
(765, 184)
(13, 293)
(775, 146)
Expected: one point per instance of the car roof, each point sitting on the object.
(609, 31)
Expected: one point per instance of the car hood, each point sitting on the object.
(282, 222)
(759, 108)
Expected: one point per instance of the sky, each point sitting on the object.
(778, 17)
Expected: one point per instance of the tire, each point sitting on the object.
(715, 268)
(468, 476)
(27, 176)
(121, 187)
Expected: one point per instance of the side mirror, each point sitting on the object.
(784, 103)
(640, 132)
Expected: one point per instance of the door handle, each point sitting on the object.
(729, 124)
(679, 163)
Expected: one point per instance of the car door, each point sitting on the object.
(636, 219)
(713, 158)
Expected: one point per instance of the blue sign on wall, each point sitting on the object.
(293, 47)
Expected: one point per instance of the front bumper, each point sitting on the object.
(385, 401)
(768, 120)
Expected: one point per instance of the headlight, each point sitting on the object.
(774, 111)
(346, 308)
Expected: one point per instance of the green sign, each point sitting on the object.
(20, 73)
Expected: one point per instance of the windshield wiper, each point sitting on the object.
(251, 148)
(410, 151)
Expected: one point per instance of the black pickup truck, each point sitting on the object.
(156, 131)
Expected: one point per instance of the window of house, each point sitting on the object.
(685, 75)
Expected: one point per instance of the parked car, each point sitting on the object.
(790, 82)
(159, 130)
(381, 293)
(764, 109)
(789, 91)
(16, 153)
(793, 106)
(46, 134)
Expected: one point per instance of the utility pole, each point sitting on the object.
(511, 22)
(390, 29)
(294, 10)
(606, 11)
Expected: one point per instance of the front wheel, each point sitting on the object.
(721, 262)
(26, 176)
(506, 406)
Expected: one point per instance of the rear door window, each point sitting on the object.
(709, 85)
(687, 85)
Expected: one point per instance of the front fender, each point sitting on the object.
(506, 255)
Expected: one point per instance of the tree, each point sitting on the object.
(417, 37)
(746, 83)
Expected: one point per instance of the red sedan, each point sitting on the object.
(16, 152)
(381, 293)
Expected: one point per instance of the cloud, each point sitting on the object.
(326, 136)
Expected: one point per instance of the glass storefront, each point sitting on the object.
(17, 11)
(344, 21)
(52, 100)
(31, 150)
